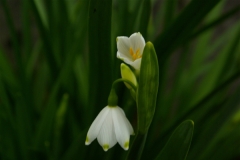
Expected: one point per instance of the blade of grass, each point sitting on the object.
(26, 30)
(23, 86)
(203, 41)
(169, 11)
(142, 21)
(211, 78)
(59, 122)
(46, 43)
(217, 21)
(231, 51)
(32, 60)
(179, 143)
(42, 135)
(9, 148)
(6, 70)
(77, 149)
(177, 32)
(219, 88)
(14, 38)
(5, 102)
(23, 127)
(40, 6)
(182, 26)
(99, 52)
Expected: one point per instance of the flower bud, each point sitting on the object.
(127, 74)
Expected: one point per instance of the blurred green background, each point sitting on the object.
(58, 61)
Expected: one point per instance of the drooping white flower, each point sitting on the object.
(109, 127)
(130, 49)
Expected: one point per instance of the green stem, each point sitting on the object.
(126, 81)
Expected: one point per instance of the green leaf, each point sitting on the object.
(142, 20)
(182, 26)
(100, 58)
(146, 98)
(148, 88)
(43, 132)
(6, 70)
(169, 11)
(216, 21)
(23, 124)
(58, 129)
(179, 143)
(44, 34)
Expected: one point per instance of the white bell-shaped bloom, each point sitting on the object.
(110, 126)
(130, 49)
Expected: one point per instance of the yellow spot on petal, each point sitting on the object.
(105, 147)
(126, 145)
(87, 141)
(135, 55)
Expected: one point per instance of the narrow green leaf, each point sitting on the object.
(148, 88)
(169, 11)
(142, 21)
(77, 150)
(32, 60)
(213, 76)
(146, 98)
(100, 71)
(14, 37)
(40, 8)
(202, 46)
(204, 100)
(182, 27)
(23, 127)
(230, 52)
(216, 21)
(9, 147)
(48, 50)
(179, 143)
(42, 135)
(6, 70)
(26, 29)
(5, 103)
(59, 121)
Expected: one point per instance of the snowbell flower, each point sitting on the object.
(109, 127)
(130, 49)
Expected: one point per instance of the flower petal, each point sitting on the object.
(136, 64)
(106, 137)
(137, 42)
(121, 128)
(125, 58)
(96, 125)
(123, 46)
(128, 124)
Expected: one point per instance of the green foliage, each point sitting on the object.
(179, 143)
(56, 76)
(147, 88)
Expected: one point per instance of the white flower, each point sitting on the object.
(130, 49)
(109, 127)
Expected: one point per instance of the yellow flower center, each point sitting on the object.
(135, 55)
